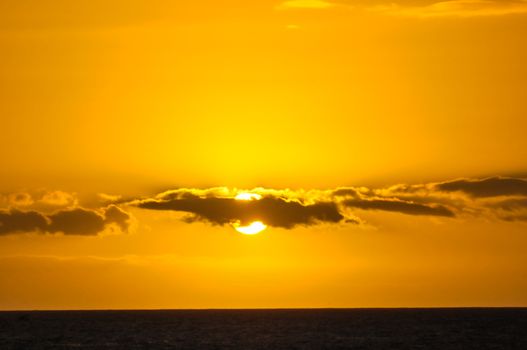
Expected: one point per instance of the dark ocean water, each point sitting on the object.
(267, 329)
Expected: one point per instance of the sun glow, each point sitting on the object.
(251, 229)
(247, 196)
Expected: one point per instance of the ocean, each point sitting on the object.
(445, 329)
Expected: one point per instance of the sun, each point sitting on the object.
(251, 229)
(254, 227)
(247, 196)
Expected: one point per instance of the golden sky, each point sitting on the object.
(381, 143)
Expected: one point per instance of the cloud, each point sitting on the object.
(425, 9)
(494, 198)
(59, 199)
(115, 215)
(20, 199)
(16, 221)
(41, 200)
(78, 221)
(455, 8)
(512, 204)
(512, 208)
(305, 4)
(400, 206)
(108, 198)
(491, 198)
(503, 198)
(490, 187)
(274, 211)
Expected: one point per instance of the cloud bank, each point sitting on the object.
(399, 206)
(491, 187)
(423, 9)
(495, 198)
(77, 221)
(457, 8)
(305, 4)
(274, 211)
(492, 198)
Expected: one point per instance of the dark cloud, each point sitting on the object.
(288, 208)
(76, 222)
(69, 222)
(275, 212)
(16, 221)
(514, 218)
(399, 207)
(490, 187)
(496, 198)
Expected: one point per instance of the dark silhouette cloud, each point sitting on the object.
(400, 207)
(275, 212)
(76, 221)
(289, 208)
(495, 198)
(16, 221)
(490, 187)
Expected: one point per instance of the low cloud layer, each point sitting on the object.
(274, 211)
(495, 198)
(78, 221)
(399, 206)
(306, 4)
(458, 8)
(420, 9)
(491, 187)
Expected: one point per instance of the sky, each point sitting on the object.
(380, 143)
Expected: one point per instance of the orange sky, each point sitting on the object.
(129, 126)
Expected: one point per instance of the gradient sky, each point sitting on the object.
(386, 139)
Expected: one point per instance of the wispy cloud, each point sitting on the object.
(491, 187)
(456, 8)
(399, 206)
(449, 8)
(305, 4)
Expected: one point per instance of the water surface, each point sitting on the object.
(444, 329)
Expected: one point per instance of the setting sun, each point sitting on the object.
(247, 196)
(252, 229)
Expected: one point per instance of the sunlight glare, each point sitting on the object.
(252, 229)
(247, 196)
